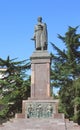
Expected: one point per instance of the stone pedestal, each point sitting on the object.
(40, 104)
(40, 77)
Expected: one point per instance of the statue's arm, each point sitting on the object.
(34, 36)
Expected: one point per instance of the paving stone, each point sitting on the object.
(39, 124)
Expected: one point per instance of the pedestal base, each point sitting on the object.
(40, 108)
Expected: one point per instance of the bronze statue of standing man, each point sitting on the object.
(40, 35)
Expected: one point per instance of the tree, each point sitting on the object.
(76, 100)
(66, 69)
(14, 86)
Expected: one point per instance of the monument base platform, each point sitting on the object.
(39, 108)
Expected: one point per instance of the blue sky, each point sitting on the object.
(18, 17)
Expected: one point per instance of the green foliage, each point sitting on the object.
(14, 86)
(65, 72)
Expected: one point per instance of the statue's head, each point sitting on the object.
(39, 19)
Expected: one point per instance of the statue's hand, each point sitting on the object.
(32, 38)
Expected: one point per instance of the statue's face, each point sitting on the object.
(39, 19)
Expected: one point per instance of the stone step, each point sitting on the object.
(39, 124)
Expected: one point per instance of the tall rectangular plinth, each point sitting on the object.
(40, 77)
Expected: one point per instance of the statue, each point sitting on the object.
(49, 110)
(30, 111)
(40, 35)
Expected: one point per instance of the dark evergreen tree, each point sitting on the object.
(14, 86)
(66, 70)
